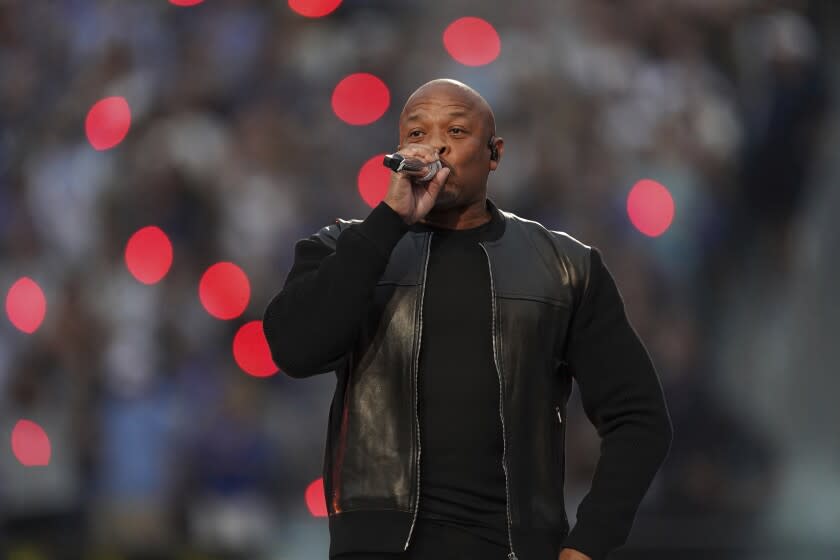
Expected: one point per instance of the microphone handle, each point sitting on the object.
(413, 166)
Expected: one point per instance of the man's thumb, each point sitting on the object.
(437, 182)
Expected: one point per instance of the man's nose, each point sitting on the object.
(439, 143)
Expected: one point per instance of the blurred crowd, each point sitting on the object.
(160, 443)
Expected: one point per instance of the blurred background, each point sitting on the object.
(693, 141)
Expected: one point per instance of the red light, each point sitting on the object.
(251, 352)
(373, 180)
(360, 99)
(26, 305)
(650, 207)
(30, 444)
(472, 41)
(315, 500)
(148, 254)
(185, 3)
(314, 8)
(108, 122)
(224, 290)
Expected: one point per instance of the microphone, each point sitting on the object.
(413, 166)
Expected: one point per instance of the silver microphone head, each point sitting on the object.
(433, 167)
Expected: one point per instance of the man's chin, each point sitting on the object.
(446, 197)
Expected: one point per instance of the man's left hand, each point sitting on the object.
(572, 554)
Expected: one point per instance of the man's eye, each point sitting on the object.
(415, 133)
(456, 129)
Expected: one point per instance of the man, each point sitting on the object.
(454, 330)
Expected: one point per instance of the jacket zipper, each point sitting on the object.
(512, 554)
(416, 373)
(559, 416)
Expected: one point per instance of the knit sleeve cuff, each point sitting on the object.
(590, 540)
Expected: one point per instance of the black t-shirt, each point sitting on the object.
(462, 482)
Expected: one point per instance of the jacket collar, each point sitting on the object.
(490, 231)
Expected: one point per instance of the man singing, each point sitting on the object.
(454, 330)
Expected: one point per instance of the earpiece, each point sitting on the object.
(494, 153)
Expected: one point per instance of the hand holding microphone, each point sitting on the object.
(417, 179)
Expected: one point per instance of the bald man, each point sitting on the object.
(455, 330)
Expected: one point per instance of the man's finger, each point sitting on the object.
(421, 151)
(437, 182)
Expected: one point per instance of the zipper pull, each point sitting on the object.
(512, 556)
(559, 416)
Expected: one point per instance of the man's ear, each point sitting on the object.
(497, 149)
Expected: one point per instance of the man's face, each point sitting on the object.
(454, 125)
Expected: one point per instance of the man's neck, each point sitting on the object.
(472, 216)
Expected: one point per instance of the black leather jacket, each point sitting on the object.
(372, 459)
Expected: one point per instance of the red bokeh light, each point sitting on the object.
(148, 254)
(373, 180)
(26, 305)
(224, 290)
(30, 444)
(650, 207)
(360, 99)
(185, 3)
(472, 41)
(251, 352)
(314, 8)
(315, 500)
(108, 122)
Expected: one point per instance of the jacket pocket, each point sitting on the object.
(560, 442)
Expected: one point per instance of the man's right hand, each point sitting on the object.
(409, 198)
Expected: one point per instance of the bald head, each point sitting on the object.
(459, 91)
